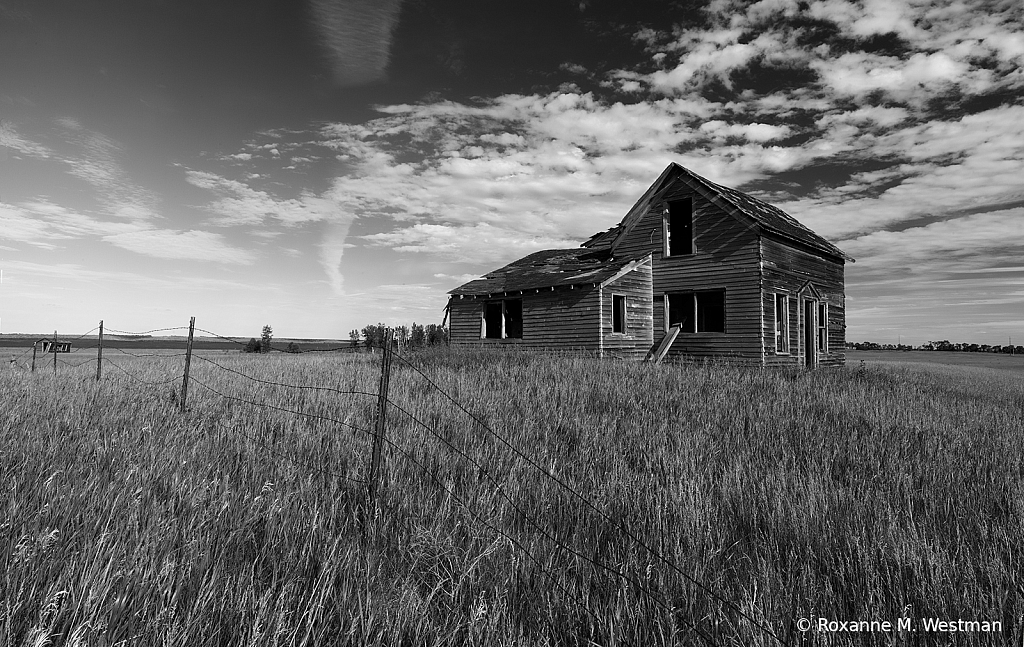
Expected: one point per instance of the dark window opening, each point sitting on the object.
(697, 312)
(711, 312)
(680, 311)
(503, 319)
(619, 313)
(781, 323)
(679, 227)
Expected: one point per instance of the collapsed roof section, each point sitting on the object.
(549, 269)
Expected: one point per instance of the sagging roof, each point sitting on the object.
(547, 269)
(768, 218)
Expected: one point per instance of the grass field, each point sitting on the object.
(693, 504)
(1000, 361)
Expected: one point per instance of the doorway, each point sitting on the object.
(810, 326)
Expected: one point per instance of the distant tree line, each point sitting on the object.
(415, 336)
(262, 345)
(943, 345)
(372, 336)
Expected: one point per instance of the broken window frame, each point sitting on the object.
(688, 243)
(619, 325)
(509, 328)
(781, 324)
(694, 319)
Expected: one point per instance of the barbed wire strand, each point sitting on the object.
(82, 363)
(139, 379)
(26, 352)
(277, 408)
(290, 459)
(589, 504)
(121, 350)
(350, 349)
(426, 471)
(482, 470)
(290, 386)
(277, 350)
(80, 336)
(478, 517)
(144, 332)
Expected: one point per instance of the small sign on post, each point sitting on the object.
(56, 346)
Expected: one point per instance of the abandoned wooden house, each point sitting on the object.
(694, 270)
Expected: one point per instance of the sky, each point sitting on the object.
(327, 164)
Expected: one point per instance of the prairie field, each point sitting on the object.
(1001, 361)
(550, 500)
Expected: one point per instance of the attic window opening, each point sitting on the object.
(502, 319)
(678, 227)
(697, 311)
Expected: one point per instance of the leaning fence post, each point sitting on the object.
(382, 409)
(99, 354)
(188, 362)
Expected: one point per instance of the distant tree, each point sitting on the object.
(353, 338)
(417, 336)
(265, 337)
(374, 335)
(867, 345)
(293, 347)
(436, 335)
(402, 336)
(253, 346)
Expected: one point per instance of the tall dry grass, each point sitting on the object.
(850, 494)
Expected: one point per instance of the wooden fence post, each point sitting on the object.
(54, 349)
(382, 409)
(188, 362)
(35, 345)
(99, 354)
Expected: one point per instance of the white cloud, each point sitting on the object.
(97, 159)
(491, 244)
(185, 245)
(756, 132)
(46, 225)
(242, 205)
(332, 249)
(11, 139)
(915, 79)
(941, 169)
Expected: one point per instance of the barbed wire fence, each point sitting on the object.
(372, 479)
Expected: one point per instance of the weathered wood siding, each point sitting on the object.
(787, 269)
(727, 258)
(636, 287)
(564, 318)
